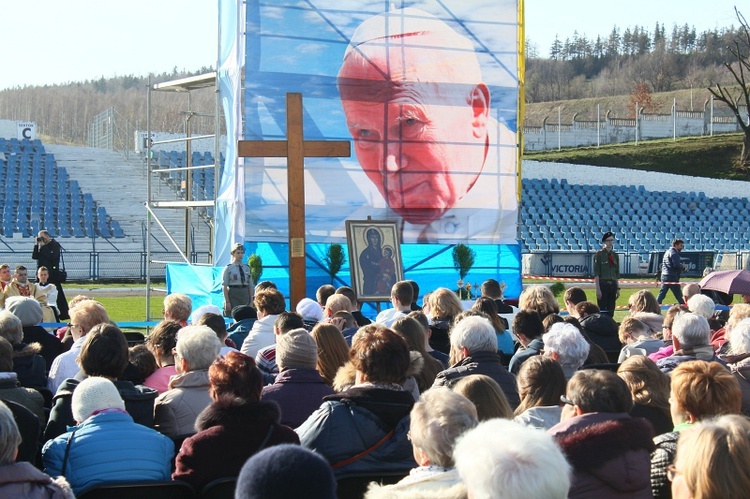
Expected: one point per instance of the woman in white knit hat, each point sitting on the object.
(106, 446)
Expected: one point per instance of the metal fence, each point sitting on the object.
(107, 265)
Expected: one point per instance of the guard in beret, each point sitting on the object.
(607, 275)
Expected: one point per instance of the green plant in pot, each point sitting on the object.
(335, 258)
(463, 261)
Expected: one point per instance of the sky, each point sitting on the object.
(53, 41)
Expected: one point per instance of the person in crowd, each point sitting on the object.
(219, 326)
(666, 332)
(699, 390)
(607, 275)
(494, 291)
(298, 389)
(346, 323)
(5, 275)
(310, 311)
(178, 307)
(244, 317)
(572, 297)
(415, 295)
(333, 352)
(736, 314)
(444, 306)
(372, 417)
(176, 410)
(413, 332)
(601, 440)
(47, 253)
(539, 299)
(693, 288)
(643, 301)
(30, 314)
(83, 317)
(303, 474)
(199, 312)
(486, 395)
(358, 316)
(565, 344)
(654, 322)
(424, 321)
(541, 382)
(28, 366)
(104, 353)
(504, 339)
(235, 426)
(437, 421)
(671, 268)
(336, 303)
(600, 328)
(11, 389)
(22, 479)
(322, 294)
(702, 305)
(596, 355)
(636, 336)
(738, 360)
(237, 281)
(143, 362)
(106, 445)
(528, 464)
(690, 335)
(474, 351)
(650, 390)
(49, 289)
(528, 328)
(402, 295)
(712, 460)
(161, 342)
(266, 358)
(269, 303)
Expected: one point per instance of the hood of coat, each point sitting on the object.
(26, 350)
(237, 414)
(391, 406)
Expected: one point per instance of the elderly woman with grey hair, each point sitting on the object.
(565, 343)
(176, 410)
(29, 366)
(437, 420)
(22, 479)
(738, 360)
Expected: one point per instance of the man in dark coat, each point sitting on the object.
(474, 344)
(528, 328)
(608, 449)
(47, 253)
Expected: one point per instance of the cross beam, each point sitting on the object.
(295, 149)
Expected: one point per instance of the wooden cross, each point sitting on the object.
(295, 149)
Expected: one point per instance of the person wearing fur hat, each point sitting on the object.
(608, 449)
(235, 426)
(106, 445)
(607, 275)
(30, 313)
(298, 389)
(364, 429)
(22, 479)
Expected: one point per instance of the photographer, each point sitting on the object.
(47, 254)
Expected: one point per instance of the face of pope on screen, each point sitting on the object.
(415, 104)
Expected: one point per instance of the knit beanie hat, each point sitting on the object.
(28, 310)
(285, 471)
(95, 394)
(203, 310)
(242, 312)
(310, 309)
(296, 349)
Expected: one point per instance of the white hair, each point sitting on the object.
(10, 437)
(198, 345)
(691, 330)
(568, 343)
(203, 310)
(474, 333)
(500, 458)
(739, 337)
(701, 305)
(437, 420)
(10, 327)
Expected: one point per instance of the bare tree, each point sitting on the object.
(739, 67)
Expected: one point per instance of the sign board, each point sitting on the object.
(26, 130)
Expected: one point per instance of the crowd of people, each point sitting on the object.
(447, 399)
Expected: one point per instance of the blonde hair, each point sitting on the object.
(648, 385)
(486, 395)
(333, 352)
(538, 299)
(635, 328)
(644, 301)
(87, 314)
(444, 304)
(713, 456)
(178, 306)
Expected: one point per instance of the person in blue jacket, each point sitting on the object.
(671, 268)
(106, 446)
